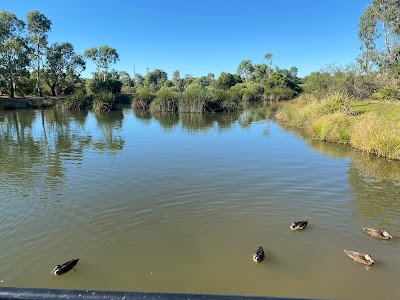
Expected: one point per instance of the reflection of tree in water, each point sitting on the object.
(36, 145)
(142, 114)
(110, 125)
(253, 113)
(167, 120)
(193, 122)
(32, 149)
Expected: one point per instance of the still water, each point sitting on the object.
(178, 203)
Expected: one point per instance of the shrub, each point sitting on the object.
(194, 99)
(166, 101)
(143, 97)
(387, 93)
(103, 101)
(76, 101)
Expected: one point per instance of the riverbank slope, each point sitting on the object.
(369, 125)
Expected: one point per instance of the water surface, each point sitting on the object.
(178, 203)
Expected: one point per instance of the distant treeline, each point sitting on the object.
(29, 66)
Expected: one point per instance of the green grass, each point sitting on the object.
(370, 126)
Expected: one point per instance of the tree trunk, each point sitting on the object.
(38, 69)
(53, 90)
(11, 87)
(11, 84)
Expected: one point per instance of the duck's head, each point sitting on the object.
(387, 234)
(368, 258)
(56, 270)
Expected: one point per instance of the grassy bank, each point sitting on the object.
(370, 126)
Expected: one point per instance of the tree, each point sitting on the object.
(155, 79)
(13, 50)
(103, 57)
(226, 80)
(38, 28)
(178, 83)
(245, 70)
(62, 65)
(268, 58)
(379, 34)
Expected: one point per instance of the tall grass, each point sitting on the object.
(142, 98)
(194, 100)
(75, 101)
(368, 126)
(166, 101)
(103, 101)
(378, 136)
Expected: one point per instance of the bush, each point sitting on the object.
(166, 101)
(143, 97)
(103, 101)
(76, 101)
(387, 93)
(194, 99)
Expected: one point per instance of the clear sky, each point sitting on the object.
(198, 37)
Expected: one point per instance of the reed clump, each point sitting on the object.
(377, 136)
(75, 101)
(166, 100)
(142, 98)
(103, 101)
(194, 99)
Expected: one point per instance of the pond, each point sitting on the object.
(179, 203)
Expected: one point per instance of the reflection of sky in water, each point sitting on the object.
(156, 207)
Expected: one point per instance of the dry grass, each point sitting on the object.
(369, 126)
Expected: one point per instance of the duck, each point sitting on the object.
(299, 225)
(381, 234)
(259, 255)
(362, 258)
(65, 267)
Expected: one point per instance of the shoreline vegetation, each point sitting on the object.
(357, 104)
(370, 126)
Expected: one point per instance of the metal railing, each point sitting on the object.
(49, 294)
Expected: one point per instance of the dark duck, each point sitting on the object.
(259, 255)
(64, 268)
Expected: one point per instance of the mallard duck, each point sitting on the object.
(259, 255)
(381, 234)
(365, 259)
(299, 225)
(64, 268)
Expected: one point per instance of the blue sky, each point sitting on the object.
(198, 37)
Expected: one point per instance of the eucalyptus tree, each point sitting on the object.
(227, 80)
(245, 70)
(379, 34)
(268, 58)
(260, 72)
(103, 57)
(62, 66)
(178, 83)
(13, 50)
(126, 79)
(155, 79)
(205, 80)
(139, 80)
(38, 28)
